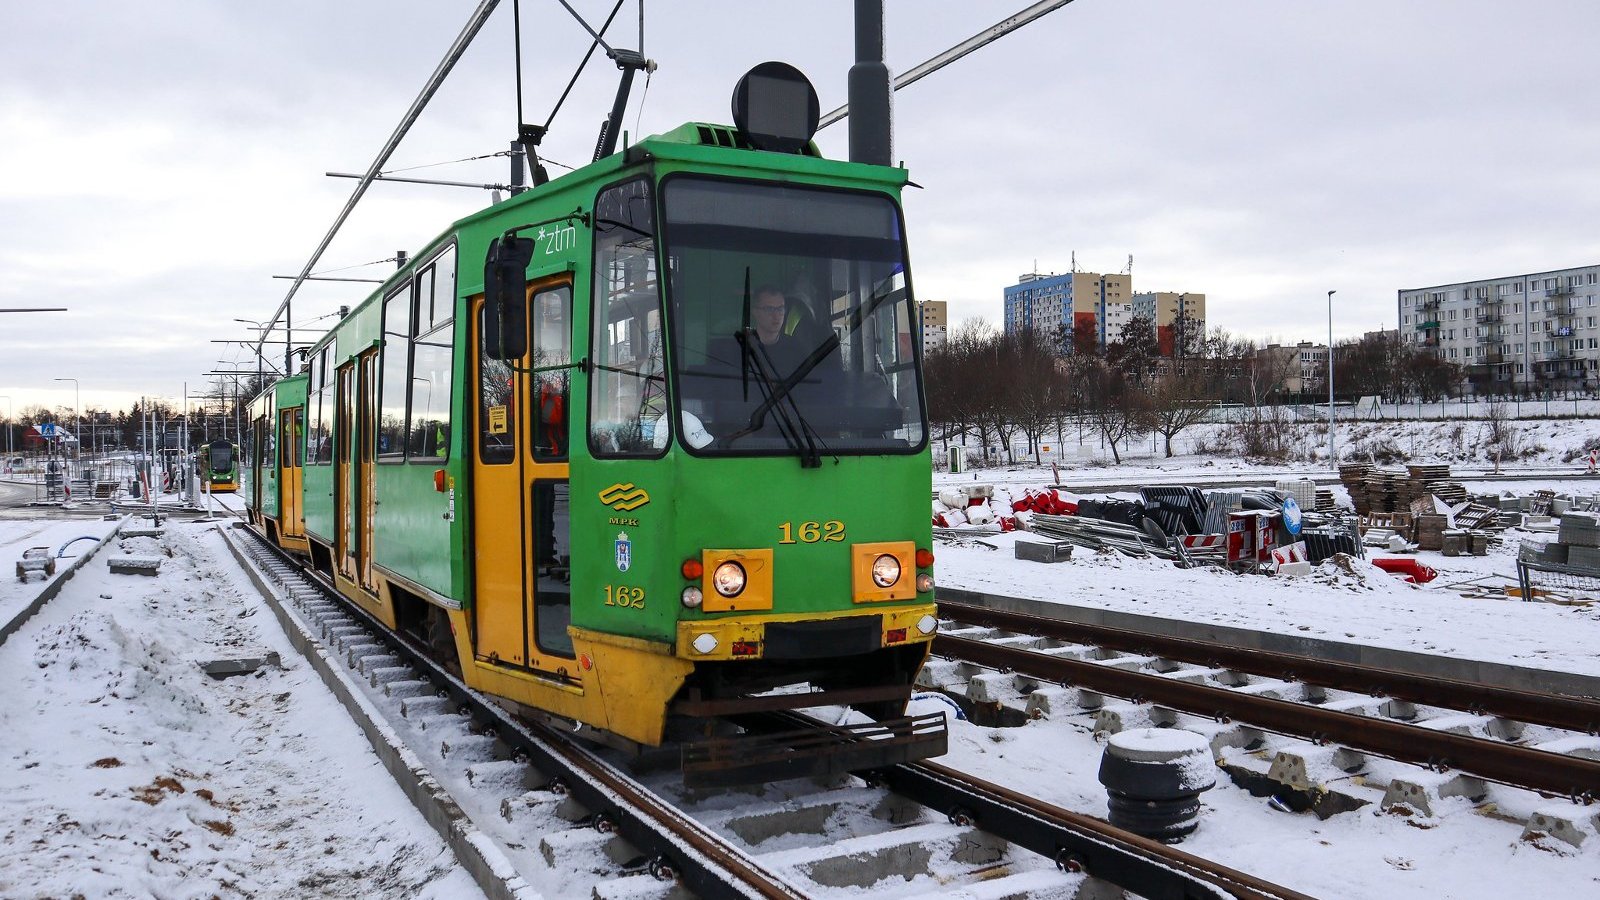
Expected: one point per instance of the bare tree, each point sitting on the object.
(1115, 407)
(1179, 401)
(1039, 390)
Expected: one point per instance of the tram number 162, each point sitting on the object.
(811, 532)
(623, 595)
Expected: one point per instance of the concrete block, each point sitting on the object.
(1313, 767)
(1566, 823)
(863, 861)
(1119, 717)
(574, 849)
(382, 675)
(1586, 557)
(418, 707)
(509, 775)
(472, 747)
(1235, 735)
(134, 565)
(403, 690)
(140, 532)
(1422, 794)
(1048, 700)
(239, 665)
(946, 675)
(992, 687)
(1471, 725)
(643, 886)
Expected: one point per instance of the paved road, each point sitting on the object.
(15, 497)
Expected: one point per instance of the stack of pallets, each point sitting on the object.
(1434, 481)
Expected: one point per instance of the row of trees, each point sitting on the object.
(996, 386)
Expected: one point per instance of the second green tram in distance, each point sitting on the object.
(643, 445)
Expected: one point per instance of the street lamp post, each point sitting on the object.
(10, 423)
(1333, 461)
(77, 402)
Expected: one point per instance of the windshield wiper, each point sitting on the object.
(777, 392)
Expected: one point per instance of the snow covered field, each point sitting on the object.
(129, 773)
(132, 774)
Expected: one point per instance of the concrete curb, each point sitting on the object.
(476, 851)
(1471, 670)
(53, 588)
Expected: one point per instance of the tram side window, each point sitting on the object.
(627, 393)
(496, 414)
(552, 358)
(396, 354)
(271, 449)
(436, 292)
(324, 436)
(430, 394)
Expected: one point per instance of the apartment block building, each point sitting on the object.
(933, 317)
(1179, 318)
(1514, 333)
(1294, 369)
(1058, 304)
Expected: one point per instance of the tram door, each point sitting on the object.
(291, 509)
(522, 555)
(366, 489)
(344, 414)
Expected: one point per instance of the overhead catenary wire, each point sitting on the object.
(458, 47)
(581, 65)
(935, 63)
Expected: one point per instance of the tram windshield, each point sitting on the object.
(792, 329)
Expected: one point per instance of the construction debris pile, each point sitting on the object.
(1418, 507)
(1391, 489)
(1293, 525)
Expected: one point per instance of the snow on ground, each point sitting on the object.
(1461, 854)
(126, 772)
(17, 536)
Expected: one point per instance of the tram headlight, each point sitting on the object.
(924, 583)
(691, 597)
(885, 571)
(728, 579)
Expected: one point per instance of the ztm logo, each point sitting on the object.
(624, 497)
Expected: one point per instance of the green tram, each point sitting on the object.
(218, 465)
(671, 465)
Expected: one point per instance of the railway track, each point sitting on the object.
(1540, 742)
(529, 809)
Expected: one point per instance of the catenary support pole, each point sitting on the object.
(1333, 461)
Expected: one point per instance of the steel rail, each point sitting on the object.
(1555, 710)
(1539, 770)
(1077, 842)
(702, 862)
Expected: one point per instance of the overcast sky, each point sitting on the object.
(160, 161)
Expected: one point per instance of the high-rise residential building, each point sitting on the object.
(1179, 318)
(1513, 333)
(933, 316)
(1057, 305)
